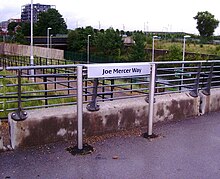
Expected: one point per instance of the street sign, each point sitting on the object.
(117, 69)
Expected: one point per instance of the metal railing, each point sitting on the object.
(56, 85)
(25, 61)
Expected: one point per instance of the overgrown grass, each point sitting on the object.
(30, 94)
(209, 49)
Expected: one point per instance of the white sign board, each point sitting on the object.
(117, 69)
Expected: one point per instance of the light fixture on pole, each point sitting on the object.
(50, 44)
(51, 41)
(154, 37)
(184, 45)
(184, 49)
(31, 45)
(48, 40)
(88, 49)
(48, 36)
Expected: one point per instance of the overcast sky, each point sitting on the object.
(152, 15)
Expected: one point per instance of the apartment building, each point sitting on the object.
(37, 9)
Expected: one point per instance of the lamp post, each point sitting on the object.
(51, 44)
(51, 41)
(48, 36)
(154, 37)
(184, 49)
(31, 45)
(48, 40)
(184, 45)
(88, 48)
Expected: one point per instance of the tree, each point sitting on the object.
(175, 53)
(51, 18)
(11, 28)
(138, 52)
(26, 28)
(19, 36)
(109, 42)
(206, 24)
(77, 39)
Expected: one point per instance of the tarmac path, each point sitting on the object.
(188, 149)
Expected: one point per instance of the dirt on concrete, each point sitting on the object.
(5, 136)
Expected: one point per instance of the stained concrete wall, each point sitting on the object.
(24, 50)
(210, 103)
(55, 124)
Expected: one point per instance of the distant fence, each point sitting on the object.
(24, 50)
(82, 57)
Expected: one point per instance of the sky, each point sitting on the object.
(148, 15)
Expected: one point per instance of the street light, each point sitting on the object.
(48, 35)
(88, 49)
(184, 49)
(154, 37)
(48, 40)
(31, 52)
(51, 44)
(184, 45)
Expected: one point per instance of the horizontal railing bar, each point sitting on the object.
(41, 67)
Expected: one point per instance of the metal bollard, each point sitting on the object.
(194, 92)
(19, 115)
(93, 106)
(206, 91)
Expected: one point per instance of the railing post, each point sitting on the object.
(19, 115)
(55, 79)
(80, 149)
(80, 106)
(194, 92)
(86, 90)
(112, 89)
(93, 106)
(151, 99)
(206, 91)
(149, 134)
(45, 87)
(103, 89)
(131, 86)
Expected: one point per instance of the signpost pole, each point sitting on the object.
(151, 100)
(80, 149)
(80, 106)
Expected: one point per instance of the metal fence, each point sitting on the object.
(56, 85)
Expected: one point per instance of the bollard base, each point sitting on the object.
(194, 94)
(147, 99)
(153, 136)
(87, 149)
(92, 107)
(19, 115)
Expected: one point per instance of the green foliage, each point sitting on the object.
(206, 24)
(175, 53)
(108, 43)
(138, 52)
(9, 88)
(77, 39)
(16, 32)
(19, 37)
(26, 28)
(51, 18)
(11, 27)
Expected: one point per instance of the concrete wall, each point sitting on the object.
(210, 103)
(55, 124)
(24, 50)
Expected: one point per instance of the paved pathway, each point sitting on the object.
(189, 149)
